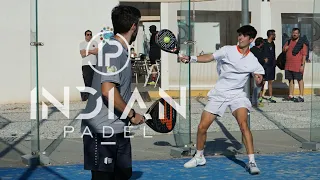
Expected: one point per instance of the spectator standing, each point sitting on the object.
(296, 53)
(270, 65)
(154, 53)
(90, 56)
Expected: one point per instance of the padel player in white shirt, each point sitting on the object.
(234, 66)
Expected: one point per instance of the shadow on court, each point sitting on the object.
(221, 146)
(12, 146)
(59, 172)
(136, 175)
(275, 166)
(162, 143)
(228, 147)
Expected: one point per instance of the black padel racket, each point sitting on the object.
(167, 41)
(163, 124)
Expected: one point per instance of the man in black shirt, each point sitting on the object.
(258, 53)
(154, 53)
(257, 50)
(270, 66)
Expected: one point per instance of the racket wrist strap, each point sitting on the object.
(193, 59)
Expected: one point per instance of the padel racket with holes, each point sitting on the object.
(167, 41)
(161, 123)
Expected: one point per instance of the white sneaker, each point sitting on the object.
(253, 168)
(195, 161)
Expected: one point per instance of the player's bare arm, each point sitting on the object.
(199, 59)
(119, 103)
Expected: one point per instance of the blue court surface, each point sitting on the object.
(280, 166)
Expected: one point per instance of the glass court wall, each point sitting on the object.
(315, 53)
(53, 69)
(52, 75)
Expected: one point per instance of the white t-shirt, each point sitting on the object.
(234, 70)
(92, 58)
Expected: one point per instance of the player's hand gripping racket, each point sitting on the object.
(168, 42)
(163, 124)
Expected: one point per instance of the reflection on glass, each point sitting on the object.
(182, 132)
(315, 59)
(302, 21)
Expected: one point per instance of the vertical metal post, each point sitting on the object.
(33, 159)
(245, 12)
(189, 72)
(245, 21)
(35, 124)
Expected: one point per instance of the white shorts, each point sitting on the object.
(218, 103)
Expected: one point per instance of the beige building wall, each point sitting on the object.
(61, 29)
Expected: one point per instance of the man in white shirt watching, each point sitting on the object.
(90, 56)
(234, 66)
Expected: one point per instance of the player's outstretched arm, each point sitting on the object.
(199, 59)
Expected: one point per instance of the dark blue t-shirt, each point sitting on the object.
(270, 53)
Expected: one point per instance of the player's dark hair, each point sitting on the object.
(258, 41)
(296, 29)
(270, 32)
(248, 30)
(85, 33)
(123, 17)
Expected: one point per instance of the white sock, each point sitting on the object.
(199, 153)
(251, 158)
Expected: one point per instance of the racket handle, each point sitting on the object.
(189, 60)
(180, 55)
(144, 120)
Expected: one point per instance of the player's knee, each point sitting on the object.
(202, 128)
